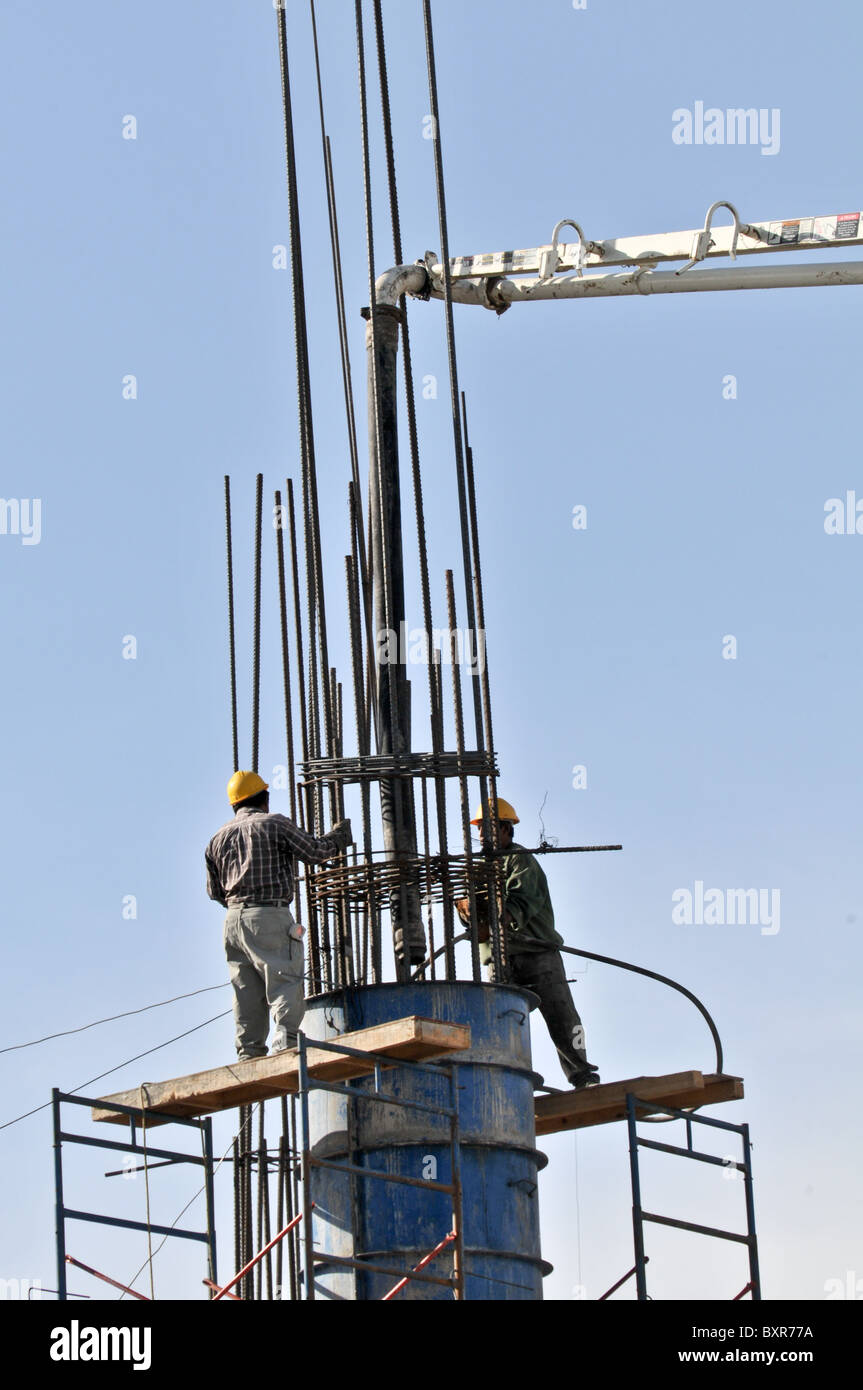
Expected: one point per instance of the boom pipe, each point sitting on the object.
(499, 293)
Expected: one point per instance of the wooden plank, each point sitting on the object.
(611, 1094)
(600, 1105)
(411, 1039)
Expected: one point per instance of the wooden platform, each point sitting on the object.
(600, 1105)
(202, 1093)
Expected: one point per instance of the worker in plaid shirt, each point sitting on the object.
(250, 871)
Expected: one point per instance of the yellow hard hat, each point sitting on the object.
(243, 785)
(504, 812)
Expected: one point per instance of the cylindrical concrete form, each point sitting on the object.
(397, 1225)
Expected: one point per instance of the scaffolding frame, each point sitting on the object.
(639, 1215)
(147, 1152)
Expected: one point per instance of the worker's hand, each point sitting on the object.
(341, 831)
(462, 907)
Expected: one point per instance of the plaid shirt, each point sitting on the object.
(251, 859)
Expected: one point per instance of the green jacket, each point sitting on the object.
(528, 902)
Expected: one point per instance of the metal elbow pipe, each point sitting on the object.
(402, 279)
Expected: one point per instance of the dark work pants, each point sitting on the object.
(543, 973)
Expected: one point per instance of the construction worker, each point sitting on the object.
(250, 871)
(533, 957)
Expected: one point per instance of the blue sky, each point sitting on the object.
(153, 257)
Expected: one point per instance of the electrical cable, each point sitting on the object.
(16, 1047)
(119, 1067)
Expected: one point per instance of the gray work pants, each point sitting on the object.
(543, 973)
(266, 965)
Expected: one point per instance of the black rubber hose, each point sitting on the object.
(663, 980)
(637, 970)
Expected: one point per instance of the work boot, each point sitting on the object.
(588, 1077)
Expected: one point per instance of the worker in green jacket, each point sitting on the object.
(532, 945)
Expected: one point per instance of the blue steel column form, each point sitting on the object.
(494, 1163)
(356, 1172)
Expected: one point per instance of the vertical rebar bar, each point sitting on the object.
(430, 913)
(280, 1208)
(248, 1228)
(286, 658)
(231, 628)
(256, 634)
(410, 403)
(372, 919)
(437, 152)
(443, 849)
(490, 835)
(261, 1173)
(319, 663)
(298, 619)
(465, 801)
(264, 1179)
(305, 805)
(346, 366)
(397, 809)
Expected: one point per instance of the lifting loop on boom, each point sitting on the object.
(702, 241)
(549, 257)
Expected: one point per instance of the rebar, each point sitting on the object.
(463, 791)
(286, 660)
(231, 627)
(261, 1173)
(256, 626)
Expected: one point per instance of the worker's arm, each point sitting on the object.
(214, 886)
(312, 850)
(522, 890)
(528, 913)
